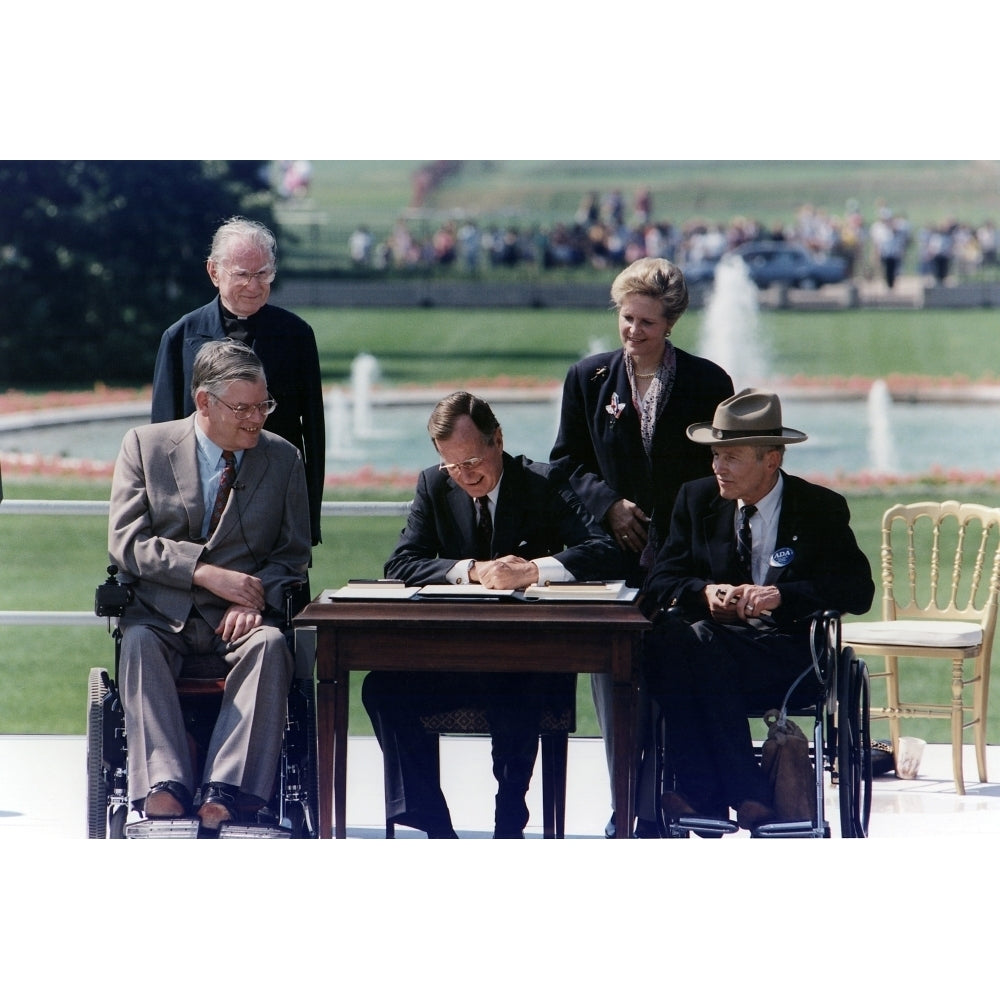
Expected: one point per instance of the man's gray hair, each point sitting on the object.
(244, 232)
(220, 362)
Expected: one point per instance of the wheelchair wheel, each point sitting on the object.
(854, 758)
(97, 787)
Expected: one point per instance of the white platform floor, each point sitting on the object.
(503, 919)
(43, 792)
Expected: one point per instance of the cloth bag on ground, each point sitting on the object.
(787, 763)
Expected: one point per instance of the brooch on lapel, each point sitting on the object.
(600, 373)
(615, 408)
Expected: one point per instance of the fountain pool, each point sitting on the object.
(849, 436)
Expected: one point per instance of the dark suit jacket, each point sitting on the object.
(602, 458)
(286, 347)
(533, 519)
(157, 512)
(826, 571)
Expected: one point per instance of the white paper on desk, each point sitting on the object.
(376, 593)
(457, 590)
(612, 590)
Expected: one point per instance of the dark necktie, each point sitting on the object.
(744, 541)
(226, 481)
(484, 532)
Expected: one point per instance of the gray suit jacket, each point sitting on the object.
(157, 511)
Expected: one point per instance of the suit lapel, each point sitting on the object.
(507, 523)
(252, 470)
(461, 506)
(788, 530)
(183, 458)
(720, 540)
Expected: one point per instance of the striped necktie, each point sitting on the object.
(226, 481)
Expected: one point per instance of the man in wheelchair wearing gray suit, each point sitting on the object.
(752, 555)
(209, 525)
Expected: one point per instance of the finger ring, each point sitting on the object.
(749, 607)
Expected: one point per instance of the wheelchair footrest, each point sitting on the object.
(701, 824)
(239, 831)
(799, 828)
(162, 829)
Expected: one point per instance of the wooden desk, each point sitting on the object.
(501, 636)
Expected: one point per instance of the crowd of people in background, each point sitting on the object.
(610, 231)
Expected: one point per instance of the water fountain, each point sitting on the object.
(730, 334)
(338, 426)
(881, 446)
(364, 372)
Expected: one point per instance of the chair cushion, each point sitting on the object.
(943, 634)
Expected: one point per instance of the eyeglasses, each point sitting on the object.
(454, 468)
(242, 409)
(243, 278)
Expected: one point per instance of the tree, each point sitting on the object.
(98, 258)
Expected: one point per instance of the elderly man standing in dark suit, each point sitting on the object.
(484, 517)
(241, 265)
(751, 555)
(209, 524)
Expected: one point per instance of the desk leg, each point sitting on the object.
(332, 697)
(325, 715)
(341, 697)
(623, 706)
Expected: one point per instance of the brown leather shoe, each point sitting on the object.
(218, 805)
(751, 814)
(675, 806)
(167, 800)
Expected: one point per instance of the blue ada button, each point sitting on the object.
(782, 557)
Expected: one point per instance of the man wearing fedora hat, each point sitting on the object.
(751, 555)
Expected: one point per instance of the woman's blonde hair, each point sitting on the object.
(658, 278)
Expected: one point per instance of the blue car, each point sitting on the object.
(775, 262)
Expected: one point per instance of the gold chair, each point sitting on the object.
(935, 612)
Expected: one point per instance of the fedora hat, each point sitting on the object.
(750, 417)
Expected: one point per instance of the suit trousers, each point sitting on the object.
(246, 739)
(396, 701)
(707, 676)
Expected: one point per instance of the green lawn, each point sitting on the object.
(438, 345)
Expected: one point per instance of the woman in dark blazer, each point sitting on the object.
(622, 446)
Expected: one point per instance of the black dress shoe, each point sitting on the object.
(218, 805)
(507, 833)
(167, 800)
(609, 830)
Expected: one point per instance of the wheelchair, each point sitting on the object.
(840, 745)
(291, 813)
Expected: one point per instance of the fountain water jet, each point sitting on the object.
(364, 372)
(881, 446)
(730, 334)
(338, 437)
